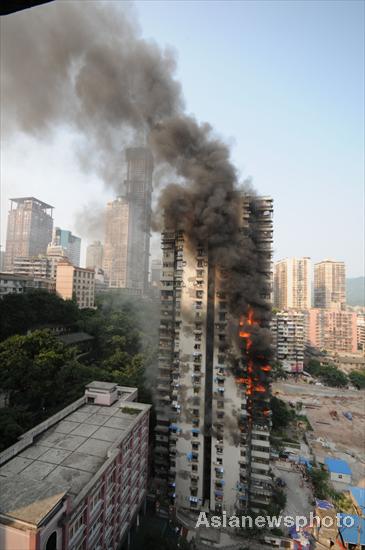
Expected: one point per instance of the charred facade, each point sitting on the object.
(213, 387)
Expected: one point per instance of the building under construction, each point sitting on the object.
(213, 419)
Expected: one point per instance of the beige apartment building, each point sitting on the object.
(330, 285)
(76, 282)
(208, 454)
(292, 284)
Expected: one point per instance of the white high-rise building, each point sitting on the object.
(208, 453)
(330, 285)
(292, 284)
(288, 339)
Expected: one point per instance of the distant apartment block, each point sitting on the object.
(94, 255)
(29, 229)
(11, 283)
(127, 227)
(360, 329)
(42, 266)
(79, 479)
(331, 330)
(330, 285)
(292, 284)
(288, 339)
(69, 242)
(37, 266)
(76, 283)
(208, 454)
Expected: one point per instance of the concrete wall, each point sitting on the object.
(342, 478)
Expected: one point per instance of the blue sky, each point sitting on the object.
(283, 83)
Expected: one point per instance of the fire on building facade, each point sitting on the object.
(213, 418)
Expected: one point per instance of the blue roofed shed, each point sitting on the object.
(358, 497)
(338, 469)
(350, 535)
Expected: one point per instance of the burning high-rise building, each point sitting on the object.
(128, 221)
(29, 229)
(213, 417)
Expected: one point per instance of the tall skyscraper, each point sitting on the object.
(29, 229)
(69, 242)
(292, 284)
(94, 255)
(213, 421)
(330, 285)
(127, 228)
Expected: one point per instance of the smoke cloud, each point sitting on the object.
(86, 65)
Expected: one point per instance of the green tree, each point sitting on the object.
(357, 378)
(22, 312)
(39, 373)
(320, 481)
(278, 372)
(281, 414)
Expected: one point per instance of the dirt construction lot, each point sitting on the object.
(318, 402)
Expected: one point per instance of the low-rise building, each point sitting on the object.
(79, 479)
(11, 283)
(76, 283)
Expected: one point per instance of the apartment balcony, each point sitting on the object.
(261, 454)
(261, 477)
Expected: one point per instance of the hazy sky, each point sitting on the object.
(282, 82)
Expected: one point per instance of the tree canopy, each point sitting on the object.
(40, 375)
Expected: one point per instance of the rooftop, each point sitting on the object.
(351, 535)
(337, 466)
(21, 200)
(358, 494)
(64, 457)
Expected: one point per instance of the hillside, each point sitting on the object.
(355, 289)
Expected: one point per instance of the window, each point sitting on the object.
(95, 499)
(76, 525)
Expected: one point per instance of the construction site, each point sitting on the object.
(336, 417)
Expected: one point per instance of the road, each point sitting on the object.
(301, 388)
(298, 499)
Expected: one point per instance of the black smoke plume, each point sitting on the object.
(86, 66)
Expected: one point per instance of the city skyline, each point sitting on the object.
(273, 169)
